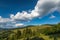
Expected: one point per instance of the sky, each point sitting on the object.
(18, 13)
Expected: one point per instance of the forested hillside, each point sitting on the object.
(39, 32)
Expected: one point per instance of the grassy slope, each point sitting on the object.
(44, 31)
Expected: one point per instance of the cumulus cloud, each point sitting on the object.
(24, 16)
(42, 8)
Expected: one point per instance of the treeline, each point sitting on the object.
(54, 29)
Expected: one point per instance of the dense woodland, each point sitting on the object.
(38, 32)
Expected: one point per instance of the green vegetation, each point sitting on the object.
(43, 32)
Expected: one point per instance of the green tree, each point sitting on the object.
(28, 32)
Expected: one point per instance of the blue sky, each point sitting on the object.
(29, 12)
(13, 6)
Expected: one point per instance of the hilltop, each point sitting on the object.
(31, 32)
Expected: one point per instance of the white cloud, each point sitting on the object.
(4, 20)
(19, 25)
(11, 15)
(24, 15)
(52, 16)
(42, 8)
(0, 17)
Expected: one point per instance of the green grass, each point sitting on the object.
(46, 32)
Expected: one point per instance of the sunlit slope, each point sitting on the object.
(38, 32)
